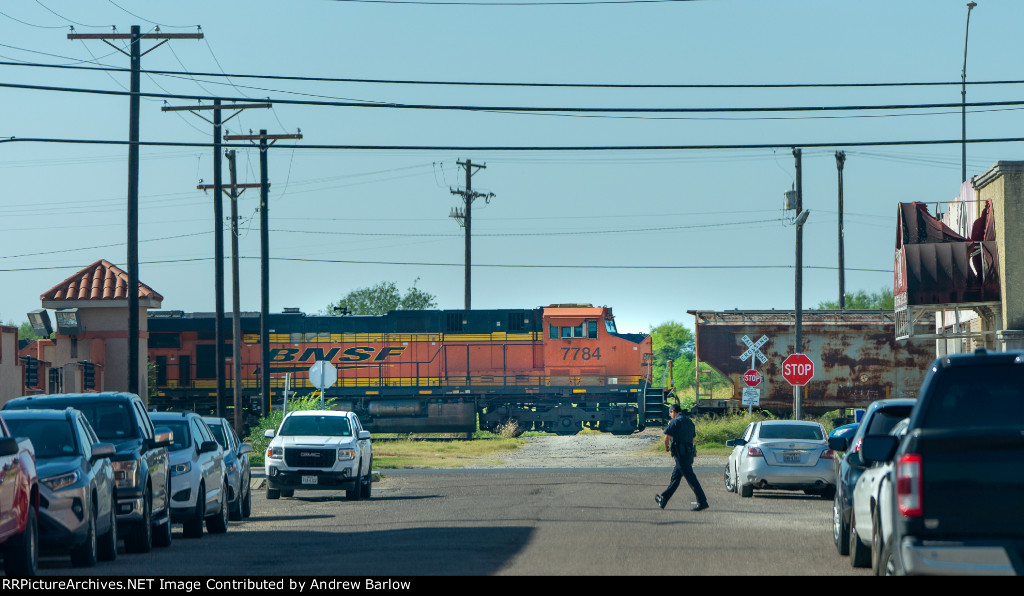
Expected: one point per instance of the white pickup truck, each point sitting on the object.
(319, 450)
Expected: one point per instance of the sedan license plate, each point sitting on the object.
(309, 480)
(790, 458)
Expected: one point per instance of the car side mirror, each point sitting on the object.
(269, 433)
(878, 449)
(208, 446)
(244, 448)
(102, 450)
(364, 435)
(8, 446)
(735, 443)
(837, 443)
(164, 437)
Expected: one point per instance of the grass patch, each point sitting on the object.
(410, 453)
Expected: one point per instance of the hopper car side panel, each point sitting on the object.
(428, 371)
(856, 357)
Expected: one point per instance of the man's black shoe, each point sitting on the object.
(660, 501)
(700, 507)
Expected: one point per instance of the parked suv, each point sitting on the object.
(879, 419)
(951, 503)
(76, 483)
(142, 478)
(236, 460)
(198, 478)
(318, 449)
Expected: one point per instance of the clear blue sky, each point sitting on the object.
(715, 215)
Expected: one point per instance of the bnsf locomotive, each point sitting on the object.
(557, 368)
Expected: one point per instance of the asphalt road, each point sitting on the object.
(517, 522)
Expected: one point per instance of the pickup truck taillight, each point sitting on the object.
(908, 485)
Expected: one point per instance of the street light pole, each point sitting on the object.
(963, 100)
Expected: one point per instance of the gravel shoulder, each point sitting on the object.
(591, 451)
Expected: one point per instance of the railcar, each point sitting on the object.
(558, 368)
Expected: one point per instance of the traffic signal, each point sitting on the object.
(88, 375)
(31, 371)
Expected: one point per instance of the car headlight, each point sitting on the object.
(182, 468)
(61, 480)
(275, 452)
(346, 454)
(126, 473)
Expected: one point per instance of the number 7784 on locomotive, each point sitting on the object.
(557, 368)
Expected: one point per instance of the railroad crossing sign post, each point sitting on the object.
(754, 353)
(322, 374)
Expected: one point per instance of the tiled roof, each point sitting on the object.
(100, 281)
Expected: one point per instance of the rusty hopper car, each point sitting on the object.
(557, 368)
(857, 359)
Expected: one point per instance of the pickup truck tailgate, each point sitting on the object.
(972, 482)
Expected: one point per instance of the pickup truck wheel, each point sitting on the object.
(273, 494)
(193, 526)
(108, 541)
(218, 524)
(840, 531)
(888, 565)
(21, 555)
(366, 484)
(860, 555)
(141, 538)
(876, 544)
(84, 555)
(355, 492)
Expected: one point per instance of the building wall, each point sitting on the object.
(1003, 184)
(11, 380)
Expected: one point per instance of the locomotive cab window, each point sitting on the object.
(587, 330)
(609, 325)
(552, 331)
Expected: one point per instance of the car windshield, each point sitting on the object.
(218, 434)
(50, 438)
(182, 440)
(798, 432)
(977, 396)
(327, 426)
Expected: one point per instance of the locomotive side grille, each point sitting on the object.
(305, 457)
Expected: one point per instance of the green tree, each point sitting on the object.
(670, 341)
(861, 299)
(25, 331)
(381, 298)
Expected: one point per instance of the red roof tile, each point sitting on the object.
(100, 281)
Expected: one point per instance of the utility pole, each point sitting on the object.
(135, 54)
(265, 140)
(800, 219)
(236, 322)
(840, 161)
(465, 217)
(218, 232)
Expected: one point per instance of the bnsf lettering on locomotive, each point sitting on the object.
(316, 354)
(357, 354)
(385, 352)
(283, 354)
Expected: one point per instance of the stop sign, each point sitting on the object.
(798, 369)
(752, 378)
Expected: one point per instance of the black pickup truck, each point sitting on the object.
(141, 472)
(953, 499)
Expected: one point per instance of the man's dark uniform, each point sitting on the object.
(682, 432)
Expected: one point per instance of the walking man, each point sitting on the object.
(680, 437)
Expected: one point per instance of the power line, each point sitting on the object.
(499, 83)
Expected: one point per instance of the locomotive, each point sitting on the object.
(558, 368)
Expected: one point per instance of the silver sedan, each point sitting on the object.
(781, 455)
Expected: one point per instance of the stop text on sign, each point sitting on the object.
(798, 369)
(752, 378)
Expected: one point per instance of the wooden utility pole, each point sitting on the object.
(465, 218)
(135, 54)
(218, 233)
(265, 141)
(236, 322)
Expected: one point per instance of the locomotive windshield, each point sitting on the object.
(609, 325)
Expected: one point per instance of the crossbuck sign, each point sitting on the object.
(753, 349)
